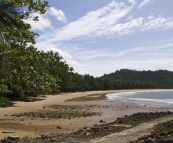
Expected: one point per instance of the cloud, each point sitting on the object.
(60, 16)
(105, 22)
(41, 25)
(44, 22)
(144, 3)
(144, 49)
(93, 24)
(129, 18)
(131, 1)
(140, 25)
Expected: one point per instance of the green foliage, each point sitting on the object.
(11, 20)
(3, 100)
(3, 88)
(20, 65)
(144, 79)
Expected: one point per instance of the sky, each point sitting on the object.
(98, 37)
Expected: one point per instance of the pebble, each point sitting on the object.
(54, 139)
(58, 127)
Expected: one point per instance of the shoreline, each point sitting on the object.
(109, 112)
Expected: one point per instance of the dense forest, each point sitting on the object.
(26, 71)
(159, 78)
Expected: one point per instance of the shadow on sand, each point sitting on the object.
(12, 102)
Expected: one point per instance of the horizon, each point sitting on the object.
(105, 36)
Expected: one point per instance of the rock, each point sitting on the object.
(18, 116)
(54, 139)
(13, 137)
(41, 116)
(88, 129)
(101, 121)
(44, 107)
(168, 141)
(58, 127)
(163, 133)
(150, 139)
(88, 134)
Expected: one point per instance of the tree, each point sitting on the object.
(17, 59)
(11, 20)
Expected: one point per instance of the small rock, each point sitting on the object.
(168, 141)
(54, 139)
(88, 134)
(58, 127)
(101, 121)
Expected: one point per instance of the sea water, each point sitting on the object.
(154, 98)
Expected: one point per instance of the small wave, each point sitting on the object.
(114, 96)
(122, 95)
(153, 100)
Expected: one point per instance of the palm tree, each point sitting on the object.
(7, 10)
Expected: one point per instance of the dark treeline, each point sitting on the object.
(158, 78)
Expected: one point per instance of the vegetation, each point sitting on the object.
(157, 79)
(20, 73)
(26, 72)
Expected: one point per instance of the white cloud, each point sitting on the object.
(156, 22)
(129, 18)
(94, 23)
(60, 16)
(126, 28)
(139, 25)
(44, 21)
(144, 3)
(131, 1)
(143, 49)
(42, 24)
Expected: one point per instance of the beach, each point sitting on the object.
(79, 117)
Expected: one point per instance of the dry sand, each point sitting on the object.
(25, 126)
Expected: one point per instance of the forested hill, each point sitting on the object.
(162, 78)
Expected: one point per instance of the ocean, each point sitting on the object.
(152, 98)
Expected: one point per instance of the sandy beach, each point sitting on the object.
(78, 117)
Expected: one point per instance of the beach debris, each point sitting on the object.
(4, 132)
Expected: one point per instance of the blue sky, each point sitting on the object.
(102, 36)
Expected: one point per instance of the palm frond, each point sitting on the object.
(7, 11)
